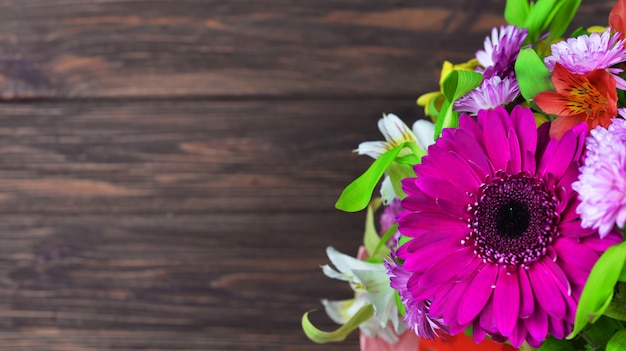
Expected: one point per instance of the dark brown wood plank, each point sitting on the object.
(175, 225)
(104, 48)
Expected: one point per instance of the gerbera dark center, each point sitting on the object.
(512, 219)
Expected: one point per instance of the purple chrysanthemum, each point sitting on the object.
(583, 54)
(416, 316)
(501, 49)
(602, 183)
(492, 92)
(496, 241)
(388, 218)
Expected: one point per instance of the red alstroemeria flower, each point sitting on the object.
(590, 98)
(617, 17)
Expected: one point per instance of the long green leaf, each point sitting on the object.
(516, 12)
(617, 342)
(598, 291)
(539, 18)
(532, 74)
(357, 194)
(442, 117)
(396, 173)
(459, 83)
(454, 86)
(599, 333)
(371, 237)
(564, 13)
(322, 337)
(552, 344)
(381, 251)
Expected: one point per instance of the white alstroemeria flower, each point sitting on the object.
(371, 285)
(396, 133)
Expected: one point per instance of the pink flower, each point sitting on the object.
(496, 243)
(492, 92)
(501, 50)
(583, 54)
(602, 182)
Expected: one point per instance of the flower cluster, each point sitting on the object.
(503, 218)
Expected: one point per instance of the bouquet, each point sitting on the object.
(499, 225)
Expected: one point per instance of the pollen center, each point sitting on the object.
(514, 220)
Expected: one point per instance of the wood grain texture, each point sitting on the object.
(70, 48)
(168, 169)
(179, 225)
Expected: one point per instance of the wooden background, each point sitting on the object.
(168, 168)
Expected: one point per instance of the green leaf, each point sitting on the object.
(399, 304)
(616, 310)
(396, 173)
(454, 86)
(381, 251)
(371, 237)
(322, 337)
(599, 333)
(552, 344)
(357, 194)
(417, 151)
(578, 32)
(403, 240)
(563, 15)
(533, 76)
(516, 12)
(459, 83)
(598, 291)
(617, 342)
(434, 106)
(408, 160)
(441, 117)
(538, 19)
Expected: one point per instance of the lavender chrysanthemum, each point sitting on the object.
(602, 182)
(416, 316)
(583, 54)
(492, 92)
(496, 243)
(501, 50)
(388, 218)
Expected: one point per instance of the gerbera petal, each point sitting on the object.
(517, 335)
(537, 324)
(574, 254)
(558, 161)
(515, 165)
(574, 229)
(506, 300)
(460, 285)
(417, 223)
(470, 149)
(557, 328)
(452, 167)
(602, 244)
(441, 189)
(483, 285)
(495, 138)
(546, 291)
(527, 299)
(440, 271)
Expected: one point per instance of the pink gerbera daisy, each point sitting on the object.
(586, 53)
(496, 241)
